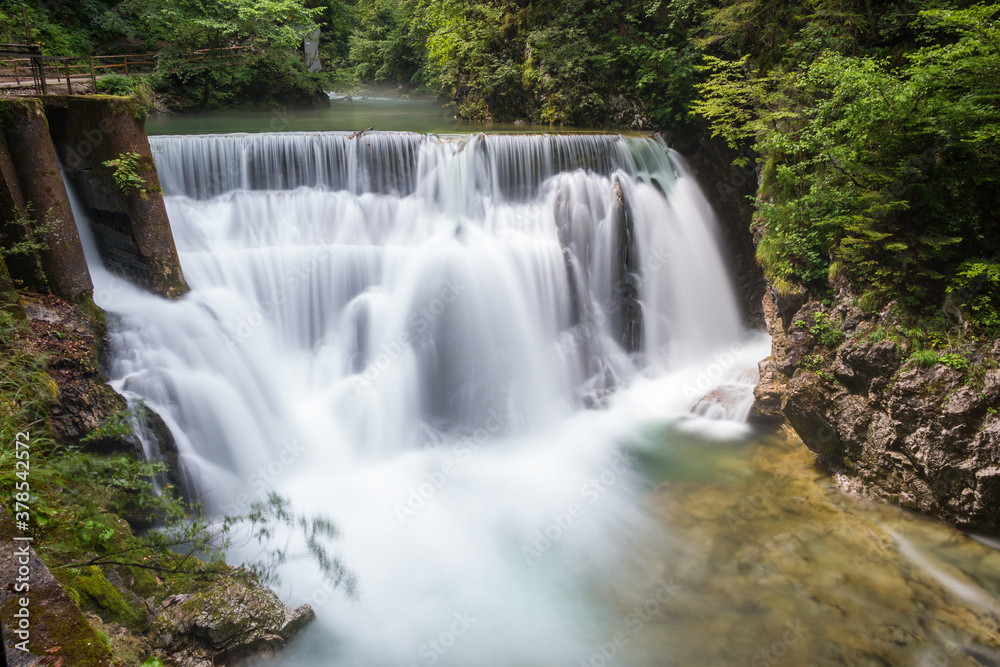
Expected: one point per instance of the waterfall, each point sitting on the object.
(411, 333)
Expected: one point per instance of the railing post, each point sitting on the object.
(17, 76)
(69, 84)
(126, 65)
(41, 74)
(93, 76)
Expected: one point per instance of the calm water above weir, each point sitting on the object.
(411, 334)
(344, 115)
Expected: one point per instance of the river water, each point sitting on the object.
(420, 336)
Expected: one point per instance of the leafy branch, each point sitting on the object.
(126, 174)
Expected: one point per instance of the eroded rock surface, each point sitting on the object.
(924, 438)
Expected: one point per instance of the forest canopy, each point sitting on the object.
(876, 121)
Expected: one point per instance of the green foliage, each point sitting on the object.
(116, 84)
(814, 362)
(84, 505)
(249, 49)
(877, 336)
(825, 329)
(956, 361)
(387, 45)
(886, 166)
(126, 174)
(118, 425)
(976, 287)
(136, 85)
(925, 358)
(566, 61)
(30, 232)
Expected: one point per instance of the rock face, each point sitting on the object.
(96, 616)
(130, 227)
(29, 169)
(626, 310)
(57, 633)
(229, 621)
(925, 438)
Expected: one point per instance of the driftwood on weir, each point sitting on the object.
(360, 132)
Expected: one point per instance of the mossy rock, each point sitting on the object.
(234, 616)
(97, 594)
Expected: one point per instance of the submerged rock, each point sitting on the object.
(773, 566)
(626, 309)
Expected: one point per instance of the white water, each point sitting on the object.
(385, 331)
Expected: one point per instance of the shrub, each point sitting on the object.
(814, 362)
(126, 174)
(826, 330)
(976, 287)
(115, 84)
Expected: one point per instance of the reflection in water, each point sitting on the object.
(343, 115)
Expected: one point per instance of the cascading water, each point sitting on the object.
(403, 332)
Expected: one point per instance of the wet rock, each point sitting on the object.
(626, 309)
(807, 408)
(774, 371)
(921, 437)
(232, 619)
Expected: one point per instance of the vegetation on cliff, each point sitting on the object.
(111, 526)
(881, 168)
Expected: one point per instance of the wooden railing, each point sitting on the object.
(67, 69)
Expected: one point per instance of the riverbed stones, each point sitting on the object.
(778, 567)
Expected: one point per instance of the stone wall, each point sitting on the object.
(130, 226)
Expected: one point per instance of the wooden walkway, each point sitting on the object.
(25, 65)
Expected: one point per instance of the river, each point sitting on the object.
(432, 339)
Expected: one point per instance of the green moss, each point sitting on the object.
(73, 636)
(97, 594)
(144, 582)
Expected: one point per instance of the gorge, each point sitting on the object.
(479, 354)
